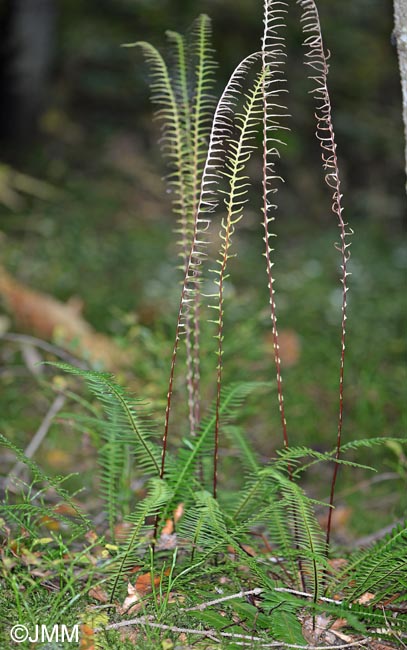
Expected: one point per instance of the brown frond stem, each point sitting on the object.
(270, 278)
(317, 59)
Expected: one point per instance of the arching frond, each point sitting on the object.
(125, 413)
(125, 431)
(240, 149)
(208, 201)
(173, 132)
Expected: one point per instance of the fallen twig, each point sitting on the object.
(44, 345)
(256, 592)
(214, 634)
(209, 603)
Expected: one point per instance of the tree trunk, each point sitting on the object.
(400, 32)
(27, 30)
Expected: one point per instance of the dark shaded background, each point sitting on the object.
(63, 59)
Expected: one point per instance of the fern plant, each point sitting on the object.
(208, 149)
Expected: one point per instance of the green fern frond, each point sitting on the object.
(203, 524)
(181, 471)
(371, 442)
(307, 533)
(158, 495)
(384, 576)
(365, 619)
(125, 432)
(30, 517)
(290, 519)
(113, 457)
(126, 415)
(281, 536)
(207, 523)
(53, 481)
(257, 490)
(286, 626)
(247, 455)
(381, 568)
(292, 455)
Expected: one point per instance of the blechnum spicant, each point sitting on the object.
(208, 159)
(207, 145)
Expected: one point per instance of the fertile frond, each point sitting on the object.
(159, 494)
(317, 60)
(274, 84)
(203, 103)
(171, 114)
(240, 151)
(212, 175)
(180, 83)
(202, 108)
(208, 201)
(186, 107)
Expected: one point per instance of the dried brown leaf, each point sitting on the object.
(98, 594)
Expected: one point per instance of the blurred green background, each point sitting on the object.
(100, 225)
